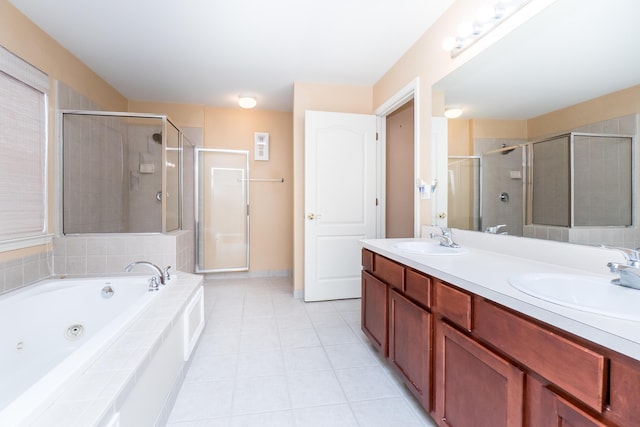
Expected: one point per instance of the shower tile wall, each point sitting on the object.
(497, 179)
(145, 210)
(94, 185)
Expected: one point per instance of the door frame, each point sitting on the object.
(404, 95)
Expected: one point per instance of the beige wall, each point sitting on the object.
(22, 37)
(460, 137)
(316, 97)
(606, 107)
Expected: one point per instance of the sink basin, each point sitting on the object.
(427, 247)
(585, 293)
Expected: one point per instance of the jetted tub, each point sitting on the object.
(52, 331)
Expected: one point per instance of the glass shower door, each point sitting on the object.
(223, 210)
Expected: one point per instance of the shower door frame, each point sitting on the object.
(479, 158)
(198, 152)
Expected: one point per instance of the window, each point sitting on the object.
(23, 149)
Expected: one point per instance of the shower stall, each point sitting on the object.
(123, 173)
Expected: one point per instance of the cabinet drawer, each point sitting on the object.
(417, 287)
(367, 260)
(568, 365)
(453, 304)
(388, 271)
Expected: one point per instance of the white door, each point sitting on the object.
(340, 201)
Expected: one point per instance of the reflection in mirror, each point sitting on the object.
(464, 192)
(582, 180)
(503, 192)
(524, 88)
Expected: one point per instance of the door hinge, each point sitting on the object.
(377, 136)
(376, 201)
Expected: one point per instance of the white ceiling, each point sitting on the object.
(572, 51)
(211, 51)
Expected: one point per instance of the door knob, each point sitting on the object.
(312, 216)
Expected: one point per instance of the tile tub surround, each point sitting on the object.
(25, 270)
(101, 391)
(267, 359)
(99, 254)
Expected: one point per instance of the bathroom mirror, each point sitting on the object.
(518, 91)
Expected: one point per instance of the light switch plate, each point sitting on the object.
(261, 147)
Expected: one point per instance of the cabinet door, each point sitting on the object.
(569, 415)
(410, 345)
(475, 387)
(374, 311)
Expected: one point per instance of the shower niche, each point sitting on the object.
(122, 173)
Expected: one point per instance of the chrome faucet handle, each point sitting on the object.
(446, 231)
(632, 256)
(494, 229)
(167, 275)
(153, 283)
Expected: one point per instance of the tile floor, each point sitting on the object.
(266, 359)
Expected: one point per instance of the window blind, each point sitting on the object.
(23, 148)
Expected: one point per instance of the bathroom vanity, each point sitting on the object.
(476, 352)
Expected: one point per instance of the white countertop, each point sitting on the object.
(485, 273)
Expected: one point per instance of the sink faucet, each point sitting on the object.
(629, 272)
(495, 228)
(446, 238)
(160, 275)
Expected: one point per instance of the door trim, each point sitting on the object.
(410, 91)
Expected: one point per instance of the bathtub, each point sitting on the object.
(52, 331)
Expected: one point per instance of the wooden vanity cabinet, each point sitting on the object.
(474, 363)
(474, 386)
(545, 408)
(374, 312)
(395, 317)
(410, 345)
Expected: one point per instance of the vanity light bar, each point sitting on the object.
(489, 16)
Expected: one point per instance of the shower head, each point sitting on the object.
(157, 137)
(505, 152)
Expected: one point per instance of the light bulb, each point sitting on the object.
(486, 12)
(247, 102)
(453, 112)
(465, 29)
(449, 43)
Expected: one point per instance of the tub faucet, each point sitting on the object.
(629, 272)
(495, 228)
(446, 238)
(160, 274)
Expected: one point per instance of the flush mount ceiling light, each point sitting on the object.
(488, 17)
(247, 102)
(453, 112)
